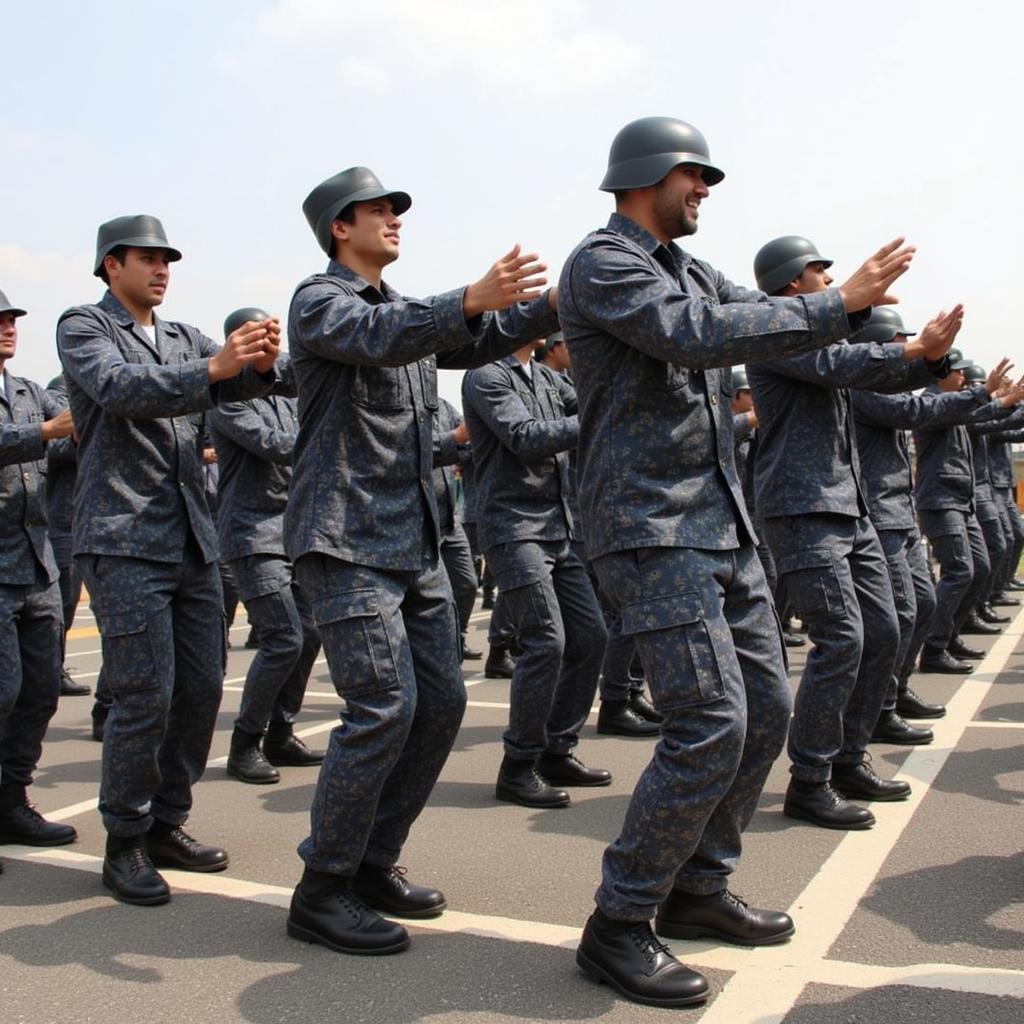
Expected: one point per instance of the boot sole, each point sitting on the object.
(137, 901)
(693, 931)
(854, 826)
(637, 734)
(411, 915)
(902, 742)
(602, 977)
(279, 762)
(304, 935)
(850, 795)
(251, 780)
(12, 840)
(512, 799)
(574, 784)
(201, 869)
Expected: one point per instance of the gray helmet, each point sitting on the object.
(138, 230)
(974, 374)
(646, 150)
(6, 307)
(957, 360)
(330, 197)
(781, 260)
(739, 380)
(550, 342)
(242, 316)
(883, 324)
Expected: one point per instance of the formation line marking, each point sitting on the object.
(775, 983)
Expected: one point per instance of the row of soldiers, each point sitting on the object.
(353, 564)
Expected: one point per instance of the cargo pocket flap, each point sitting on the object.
(349, 604)
(805, 558)
(662, 612)
(122, 624)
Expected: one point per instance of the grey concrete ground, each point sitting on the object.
(920, 919)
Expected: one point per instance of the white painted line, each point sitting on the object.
(73, 810)
(995, 725)
(981, 980)
(834, 893)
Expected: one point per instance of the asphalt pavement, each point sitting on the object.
(919, 919)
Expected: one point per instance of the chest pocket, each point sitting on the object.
(382, 387)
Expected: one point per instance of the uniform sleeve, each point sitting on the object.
(915, 412)
(132, 390)
(241, 423)
(21, 442)
(863, 365)
(489, 392)
(622, 294)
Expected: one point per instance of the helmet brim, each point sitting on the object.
(136, 242)
(645, 171)
(400, 202)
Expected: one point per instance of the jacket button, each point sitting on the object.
(714, 399)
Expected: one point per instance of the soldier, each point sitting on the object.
(31, 630)
(648, 327)
(255, 441)
(1000, 460)
(881, 422)
(989, 515)
(944, 496)
(815, 520)
(522, 421)
(744, 421)
(451, 448)
(61, 470)
(146, 545)
(624, 709)
(363, 531)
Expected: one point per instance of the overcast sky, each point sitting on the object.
(849, 124)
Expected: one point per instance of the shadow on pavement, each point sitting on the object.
(940, 909)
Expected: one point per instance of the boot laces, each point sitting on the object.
(139, 859)
(647, 942)
(735, 899)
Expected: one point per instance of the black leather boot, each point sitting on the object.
(891, 728)
(991, 616)
(567, 770)
(617, 718)
(69, 688)
(281, 747)
(325, 911)
(639, 703)
(975, 627)
(627, 956)
(859, 782)
(246, 761)
(21, 823)
(820, 804)
(519, 782)
(910, 705)
(387, 890)
(170, 846)
(129, 873)
(943, 662)
(721, 915)
(960, 650)
(499, 663)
